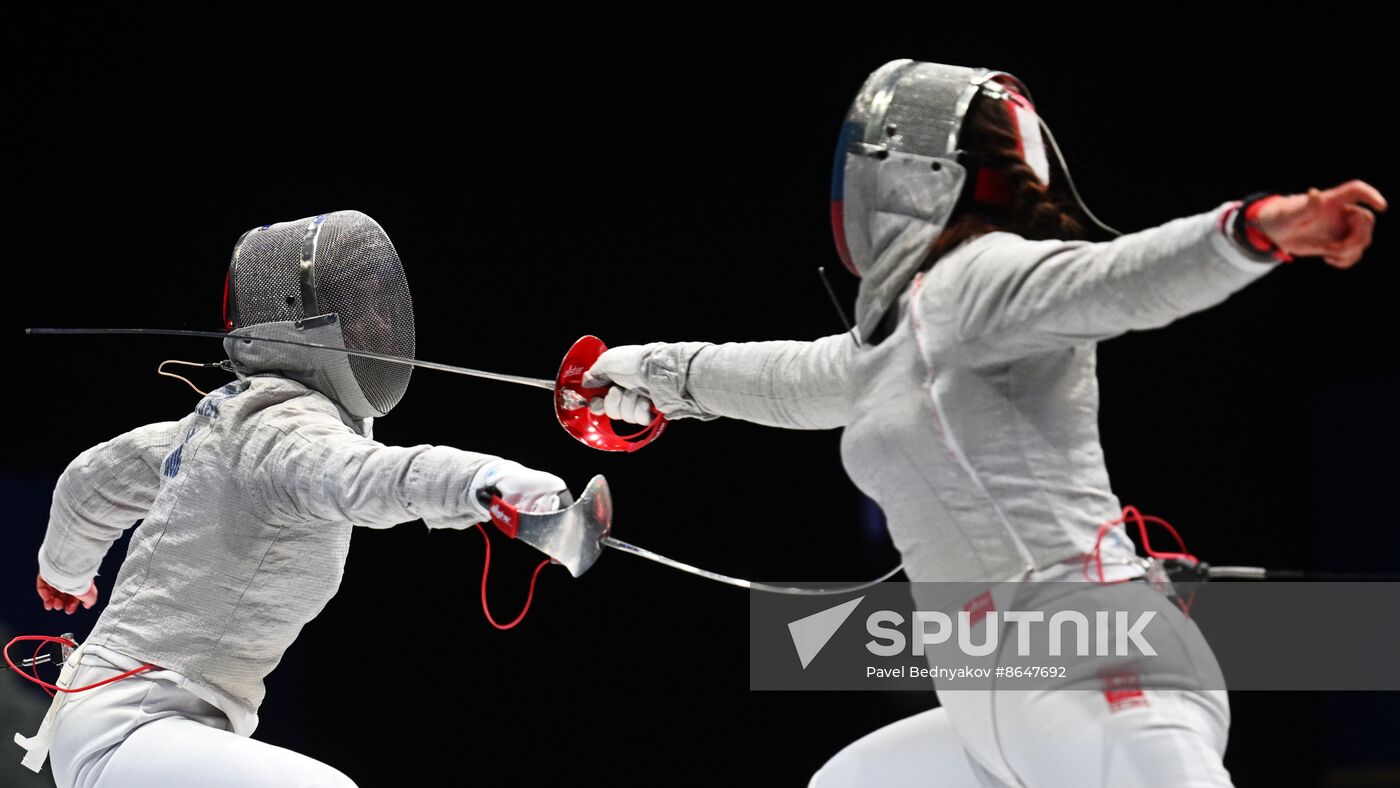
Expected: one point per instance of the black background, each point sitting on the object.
(664, 176)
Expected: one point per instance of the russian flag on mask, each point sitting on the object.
(851, 133)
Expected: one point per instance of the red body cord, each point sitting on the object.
(1131, 513)
(52, 688)
(486, 571)
(55, 688)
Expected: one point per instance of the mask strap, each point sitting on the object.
(1000, 91)
(1069, 179)
(1029, 141)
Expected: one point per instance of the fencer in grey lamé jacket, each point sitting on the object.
(248, 506)
(974, 424)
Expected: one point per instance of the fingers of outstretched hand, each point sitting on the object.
(1356, 191)
(1361, 226)
(1357, 230)
(1342, 259)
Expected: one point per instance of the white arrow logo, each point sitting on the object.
(811, 634)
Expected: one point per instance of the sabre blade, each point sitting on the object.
(521, 380)
(641, 552)
(618, 544)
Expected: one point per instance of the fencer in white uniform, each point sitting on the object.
(969, 400)
(247, 506)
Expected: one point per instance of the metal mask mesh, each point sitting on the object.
(263, 283)
(891, 198)
(916, 107)
(358, 277)
(362, 280)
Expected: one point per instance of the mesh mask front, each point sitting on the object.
(335, 280)
(897, 178)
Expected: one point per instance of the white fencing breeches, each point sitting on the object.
(146, 732)
(1081, 731)
(1175, 739)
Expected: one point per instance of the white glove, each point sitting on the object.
(526, 489)
(622, 367)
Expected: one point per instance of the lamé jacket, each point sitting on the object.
(974, 423)
(246, 508)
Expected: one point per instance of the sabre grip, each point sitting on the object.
(505, 516)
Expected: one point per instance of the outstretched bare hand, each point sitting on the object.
(1331, 224)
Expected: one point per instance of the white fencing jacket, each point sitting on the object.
(974, 424)
(247, 507)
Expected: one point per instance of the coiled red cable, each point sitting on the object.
(45, 639)
(1131, 513)
(55, 688)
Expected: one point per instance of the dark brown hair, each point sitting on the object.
(1033, 212)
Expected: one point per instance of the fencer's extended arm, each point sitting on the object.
(1003, 297)
(790, 384)
(318, 469)
(104, 491)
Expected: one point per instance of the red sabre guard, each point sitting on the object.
(571, 400)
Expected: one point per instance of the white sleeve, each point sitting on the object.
(318, 469)
(1002, 297)
(786, 383)
(101, 493)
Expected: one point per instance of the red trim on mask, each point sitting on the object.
(228, 323)
(838, 229)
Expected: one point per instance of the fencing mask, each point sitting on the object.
(332, 280)
(899, 174)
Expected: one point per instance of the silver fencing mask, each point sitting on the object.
(333, 280)
(898, 175)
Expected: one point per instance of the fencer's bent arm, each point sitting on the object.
(318, 469)
(1001, 297)
(101, 493)
(790, 384)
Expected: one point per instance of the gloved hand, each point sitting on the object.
(1331, 224)
(526, 489)
(626, 400)
(58, 600)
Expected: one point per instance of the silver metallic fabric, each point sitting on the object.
(247, 508)
(974, 425)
